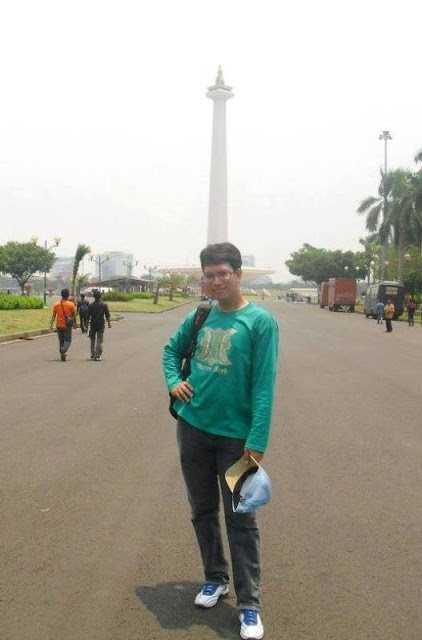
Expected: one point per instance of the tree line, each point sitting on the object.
(392, 249)
(22, 260)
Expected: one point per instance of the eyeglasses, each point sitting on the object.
(221, 275)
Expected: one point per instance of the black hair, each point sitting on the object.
(221, 252)
(65, 293)
(97, 294)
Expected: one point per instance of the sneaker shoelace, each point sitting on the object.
(250, 616)
(209, 589)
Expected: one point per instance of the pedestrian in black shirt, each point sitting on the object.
(98, 313)
(82, 309)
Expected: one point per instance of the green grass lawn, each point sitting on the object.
(15, 321)
(20, 320)
(148, 306)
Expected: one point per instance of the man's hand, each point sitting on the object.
(183, 391)
(256, 455)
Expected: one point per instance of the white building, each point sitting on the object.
(114, 264)
(62, 268)
(248, 260)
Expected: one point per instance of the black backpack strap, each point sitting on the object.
(199, 318)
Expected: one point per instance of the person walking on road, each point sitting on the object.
(380, 312)
(389, 311)
(411, 308)
(64, 314)
(224, 413)
(98, 313)
(82, 310)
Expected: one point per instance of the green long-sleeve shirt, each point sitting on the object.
(232, 373)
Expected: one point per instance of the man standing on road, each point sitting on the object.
(64, 313)
(98, 313)
(224, 412)
(380, 312)
(82, 309)
(411, 308)
(389, 311)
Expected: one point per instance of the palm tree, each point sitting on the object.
(81, 251)
(401, 220)
(402, 208)
(175, 280)
(82, 281)
(418, 189)
(160, 281)
(378, 214)
(406, 212)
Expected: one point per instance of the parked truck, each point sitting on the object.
(323, 294)
(342, 293)
(383, 292)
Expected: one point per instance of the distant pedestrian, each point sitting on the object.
(389, 311)
(83, 312)
(380, 312)
(411, 308)
(98, 313)
(64, 314)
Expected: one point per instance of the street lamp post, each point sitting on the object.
(386, 136)
(46, 247)
(99, 260)
(150, 270)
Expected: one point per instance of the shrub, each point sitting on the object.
(143, 295)
(121, 296)
(117, 296)
(10, 301)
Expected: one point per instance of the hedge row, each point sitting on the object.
(10, 301)
(121, 296)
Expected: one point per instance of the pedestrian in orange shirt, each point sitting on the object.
(64, 313)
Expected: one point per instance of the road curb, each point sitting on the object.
(25, 335)
(157, 313)
(28, 335)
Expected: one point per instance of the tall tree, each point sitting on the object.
(406, 220)
(378, 214)
(175, 280)
(317, 265)
(22, 260)
(81, 251)
(82, 281)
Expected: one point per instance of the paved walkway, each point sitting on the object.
(96, 542)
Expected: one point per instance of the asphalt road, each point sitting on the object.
(96, 540)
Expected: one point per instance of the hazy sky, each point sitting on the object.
(105, 131)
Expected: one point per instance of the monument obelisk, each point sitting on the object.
(219, 93)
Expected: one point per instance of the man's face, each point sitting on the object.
(221, 282)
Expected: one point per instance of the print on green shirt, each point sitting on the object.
(232, 373)
(214, 347)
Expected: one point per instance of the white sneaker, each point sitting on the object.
(251, 627)
(210, 594)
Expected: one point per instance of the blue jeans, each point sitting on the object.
(65, 339)
(204, 459)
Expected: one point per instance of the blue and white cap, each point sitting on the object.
(250, 485)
